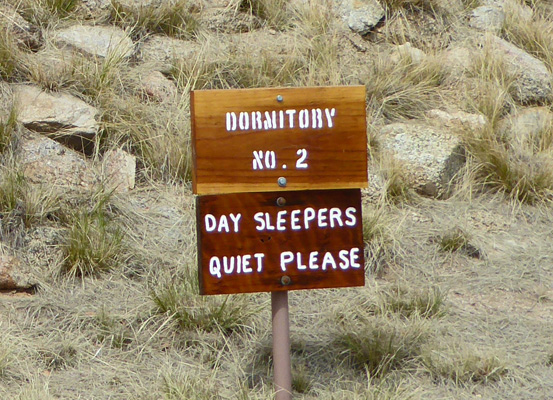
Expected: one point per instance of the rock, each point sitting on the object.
(375, 190)
(157, 87)
(26, 35)
(13, 276)
(524, 128)
(487, 18)
(160, 52)
(101, 41)
(61, 116)
(457, 119)
(432, 157)
(45, 161)
(361, 16)
(119, 169)
(533, 83)
(458, 59)
(6, 101)
(228, 20)
(406, 51)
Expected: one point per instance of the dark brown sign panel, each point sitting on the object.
(259, 140)
(275, 241)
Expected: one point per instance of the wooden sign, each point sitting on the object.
(277, 241)
(259, 140)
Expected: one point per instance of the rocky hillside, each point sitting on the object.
(97, 236)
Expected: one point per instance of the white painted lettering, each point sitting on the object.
(291, 114)
(299, 264)
(270, 159)
(343, 254)
(258, 159)
(244, 121)
(215, 267)
(228, 265)
(258, 217)
(268, 123)
(210, 223)
(256, 120)
(286, 257)
(354, 257)
(235, 220)
(259, 258)
(316, 118)
(350, 214)
(281, 119)
(328, 261)
(321, 217)
(308, 216)
(231, 121)
(281, 220)
(335, 216)
(304, 119)
(330, 114)
(223, 224)
(301, 164)
(294, 220)
(313, 259)
(246, 264)
(268, 225)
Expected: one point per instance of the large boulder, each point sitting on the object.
(487, 18)
(13, 275)
(533, 82)
(431, 156)
(47, 162)
(119, 170)
(457, 119)
(155, 86)
(58, 115)
(161, 52)
(524, 129)
(361, 16)
(101, 41)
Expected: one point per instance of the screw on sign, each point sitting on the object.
(278, 174)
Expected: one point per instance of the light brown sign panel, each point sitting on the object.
(245, 140)
(250, 243)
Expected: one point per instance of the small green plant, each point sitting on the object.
(186, 387)
(301, 381)
(181, 301)
(6, 357)
(93, 244)
(112, 331)
(425, 303)
(177, 19)
(463, 364)
(46, 12)
(453, 240)
(7, 129)
(10, 56)
(59, 355)
(274, 12)
(381, 344)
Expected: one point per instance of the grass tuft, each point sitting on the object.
(463, 364)
(380, 344)
(6, 356)
(93, 243)
(179, 19)
(273, 12)
(424, 303)
(182, 386)
(404, 89)
(111, 330)
(181, 301)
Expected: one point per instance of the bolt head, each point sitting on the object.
(282, 181)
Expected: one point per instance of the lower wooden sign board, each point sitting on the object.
(278, 241)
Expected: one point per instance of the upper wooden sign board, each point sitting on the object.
(260, 140)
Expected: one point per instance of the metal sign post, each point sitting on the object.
(281, 346)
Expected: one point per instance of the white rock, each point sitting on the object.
(524, 127)
(45, 161)
(487, 18)
(533, 82)
(58, 115)
(13, 276)
(101, 41)
(157, 87)
(432, 157)
(406, 51)
(457, 119)
(119, 170)
(361, 16)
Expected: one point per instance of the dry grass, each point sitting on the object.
(272, 12)
(404, 89)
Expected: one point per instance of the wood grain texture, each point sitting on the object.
(336, 155)
(249, 240)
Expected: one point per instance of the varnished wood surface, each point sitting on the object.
(248, 240)
(336, 157)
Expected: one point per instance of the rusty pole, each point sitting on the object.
(281, 346)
